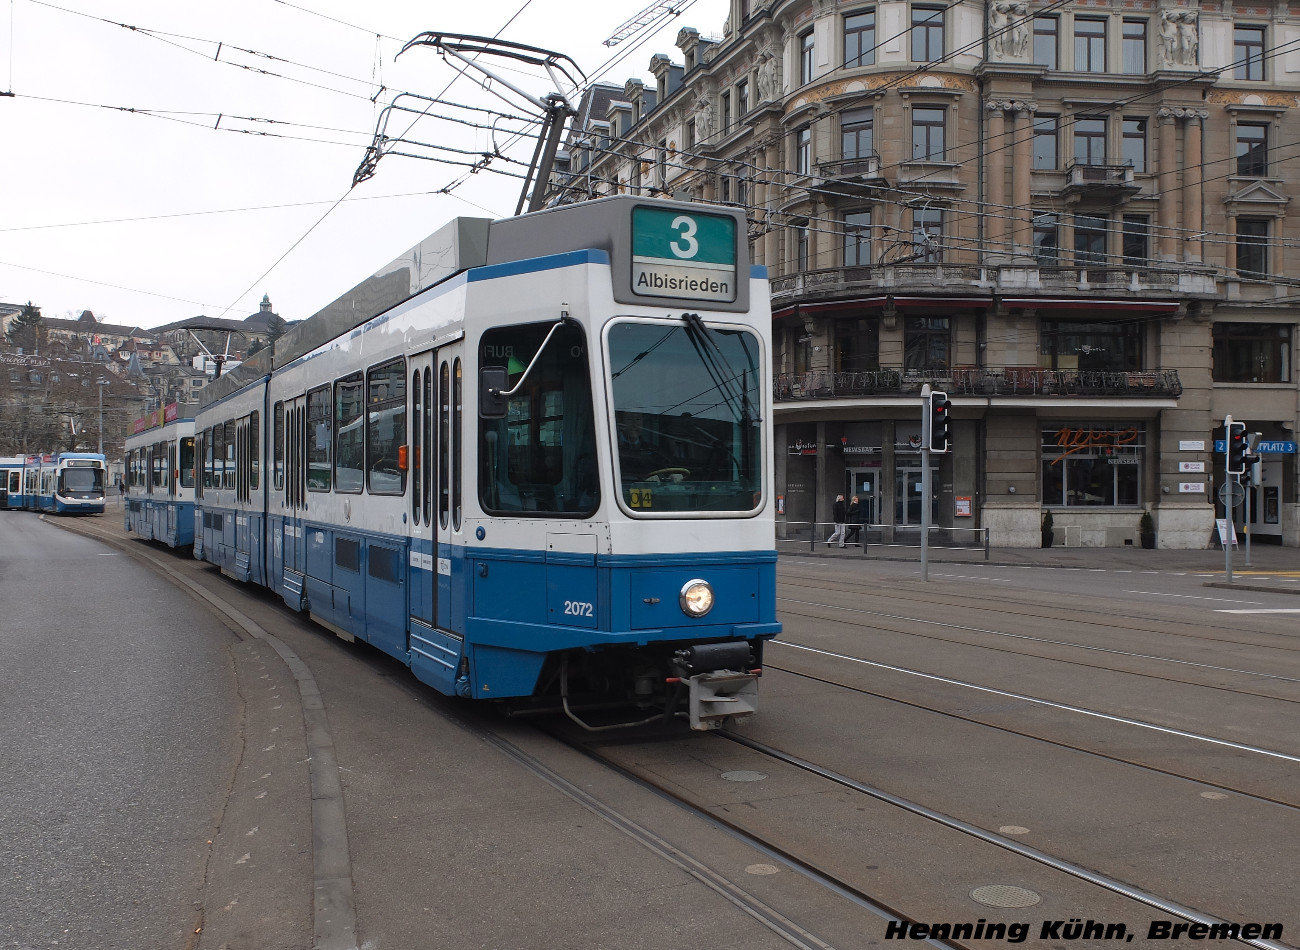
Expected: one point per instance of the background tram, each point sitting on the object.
(68, 483)
(159, 477)
(531, 459)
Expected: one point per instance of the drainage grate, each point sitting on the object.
(1005, 895)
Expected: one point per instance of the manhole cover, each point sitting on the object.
(744, 775)
(1005, 895)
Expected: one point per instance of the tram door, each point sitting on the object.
(435, 438)
(293, 504)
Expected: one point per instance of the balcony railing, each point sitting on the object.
(1107, 182)
(980, 381)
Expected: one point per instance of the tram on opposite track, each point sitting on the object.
(531, 459)
(159, 478)
(62, 483)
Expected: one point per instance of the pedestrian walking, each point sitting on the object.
(838, 513)
(854, 521)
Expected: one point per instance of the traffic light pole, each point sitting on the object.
(925, 482)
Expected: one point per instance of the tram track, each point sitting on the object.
(1046, 641)
(932, 599)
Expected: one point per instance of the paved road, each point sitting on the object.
(119, 727)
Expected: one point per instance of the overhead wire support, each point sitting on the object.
(555, 107)
(641, 20)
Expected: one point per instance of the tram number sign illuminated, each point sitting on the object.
(683, 256)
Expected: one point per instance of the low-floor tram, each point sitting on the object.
(65, 483)
(531, 459)
(11, 481)
(159, 478)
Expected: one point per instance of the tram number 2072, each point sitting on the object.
(578, 608)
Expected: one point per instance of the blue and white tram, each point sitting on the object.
(11, 481)
(531, 459)
(66, 483)
(159, 503)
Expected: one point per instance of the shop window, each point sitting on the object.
(1093, 466)
(1092, 346)
(857, 345)
(927, 342)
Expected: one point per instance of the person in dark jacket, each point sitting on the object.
(854, 521)
(838, 514)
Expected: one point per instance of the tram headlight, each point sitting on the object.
(696, 598)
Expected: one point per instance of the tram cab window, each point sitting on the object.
(687, 416)
(541, 457)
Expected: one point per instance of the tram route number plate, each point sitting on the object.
(680, 255)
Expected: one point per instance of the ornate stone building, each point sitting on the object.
(1074, 218)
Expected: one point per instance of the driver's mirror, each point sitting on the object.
(493, 381)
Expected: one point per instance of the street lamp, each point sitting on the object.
(101, 383)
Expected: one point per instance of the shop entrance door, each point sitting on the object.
(865, 483)
(907, 496)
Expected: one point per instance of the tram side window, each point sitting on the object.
(158, 465)
(228, 476)
(417, 445)
(254, 450)
(277, 442)
(187, 462)
(386, 428)
(318, 439)
(349, 436)
(541, 457)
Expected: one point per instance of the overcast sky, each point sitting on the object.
(168, 212)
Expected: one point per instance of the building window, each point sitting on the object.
(1133, 145)
(1046, 29)
(1047, 239)
(857, 238)
(1133, 59)
(1252, 247)
(800, 247)
(1252, 149)
(857, 345)
(1248, 52)
(927, 234)
(927, 34)
(1093, 346)
(926, 342)
(726, 114)
(742, 97)
(661, 165)
(1090, 140)
(1090, 240)
(860, 39)
(1045, 149)
(1252, 352)
(742, 185)
(856, 138)
(927, 134)
(1137, 240)
(803, 151)
(806, 58)
(1093, 465)
(1090, 44)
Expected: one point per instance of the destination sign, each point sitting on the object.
(683, 255)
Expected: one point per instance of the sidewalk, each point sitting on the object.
(1272, 567)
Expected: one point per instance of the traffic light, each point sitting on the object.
(1236, 448)
(939, 410)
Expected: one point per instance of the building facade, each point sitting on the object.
(1073, 218)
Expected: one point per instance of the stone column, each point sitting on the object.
(1193, 199)
(995, 164)
(1022, 220)
(1167, 181)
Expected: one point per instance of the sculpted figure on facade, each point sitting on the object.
(703, 120)
(1008, 29)
(769, 84)
(1179, 38)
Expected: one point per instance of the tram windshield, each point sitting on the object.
(541, 457)
(83, 482)
(687, 409)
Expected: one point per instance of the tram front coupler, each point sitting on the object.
(721, 682)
